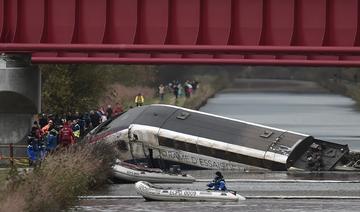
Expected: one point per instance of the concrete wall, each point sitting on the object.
(14, 127)
(19, 97)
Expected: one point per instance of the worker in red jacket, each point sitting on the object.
(66, 135)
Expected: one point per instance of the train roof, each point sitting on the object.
(205, 125)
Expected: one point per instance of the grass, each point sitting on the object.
(125, 95)
(62, 177)
(3, 176)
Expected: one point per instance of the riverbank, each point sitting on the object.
(344, 87)
(61, 178)
(208, 86)
(3, 175)
(274, 85)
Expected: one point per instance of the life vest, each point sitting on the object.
(76, 130)
(218, 184)
(139, 99)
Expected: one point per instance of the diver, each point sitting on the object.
(218, 183)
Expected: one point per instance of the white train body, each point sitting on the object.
(198, 139)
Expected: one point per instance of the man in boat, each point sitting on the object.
(218, 183)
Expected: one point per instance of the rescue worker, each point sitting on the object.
(66, 135)
(76, 129)
(35, 140)
(95, 119)
(31, 154)
(36, 131)
(46, 129)
(52, 141)
(139, 100)
(218, 183)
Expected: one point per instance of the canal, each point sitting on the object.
(325, 116)
(318, 113)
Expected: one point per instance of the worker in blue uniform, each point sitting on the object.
(218, 183)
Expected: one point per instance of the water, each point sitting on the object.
(325, 116)
(322, 115)
(261, 197)
(247, 205)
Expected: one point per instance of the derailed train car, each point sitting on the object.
(204, 140)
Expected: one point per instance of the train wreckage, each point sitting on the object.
(192, 138)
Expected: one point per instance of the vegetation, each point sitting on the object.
(3, 176)
(59, 180)
(85, 87)
(345, 82)
(208, 88)
(68, 173)
(71, 87)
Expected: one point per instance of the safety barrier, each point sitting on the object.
(12, 159)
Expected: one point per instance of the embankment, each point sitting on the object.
(208, 87)
(343, 87)
(61, 178)
(275, 85)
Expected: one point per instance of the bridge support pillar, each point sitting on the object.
(20, 98)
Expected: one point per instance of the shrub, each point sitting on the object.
(60, 179)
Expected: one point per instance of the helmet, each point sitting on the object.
(218, 174)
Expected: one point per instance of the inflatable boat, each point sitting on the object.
(126, 172)
(152, 192)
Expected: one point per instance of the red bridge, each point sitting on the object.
(259, 32)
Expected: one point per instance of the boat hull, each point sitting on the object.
(126, 174)
(155, 193)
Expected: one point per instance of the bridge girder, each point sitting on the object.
(255, 32)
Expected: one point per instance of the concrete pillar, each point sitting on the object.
(20, 97)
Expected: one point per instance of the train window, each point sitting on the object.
(122, 145)
(183, 115)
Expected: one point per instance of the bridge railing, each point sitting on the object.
(187, 54)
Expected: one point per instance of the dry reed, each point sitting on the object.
(61, 177)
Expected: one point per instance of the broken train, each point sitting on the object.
(174, 135)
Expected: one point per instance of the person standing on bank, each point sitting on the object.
(139, 100)
(161, 92)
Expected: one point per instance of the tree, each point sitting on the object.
(71, 87)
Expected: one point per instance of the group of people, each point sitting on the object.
(50, 132)
(178, 89)
(45, 139)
